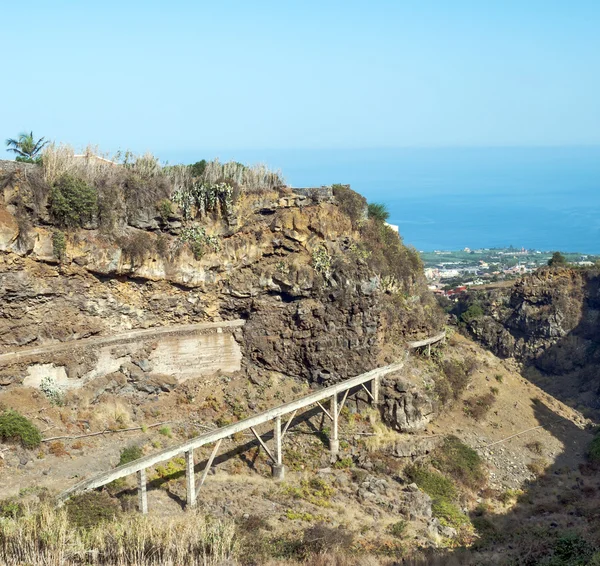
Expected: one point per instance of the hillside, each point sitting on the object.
(144, 305)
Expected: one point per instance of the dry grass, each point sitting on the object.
(59, 160)
(253, 178)
(383, 436)
(44, 536)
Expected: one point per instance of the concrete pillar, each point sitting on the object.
(278, 469)
(142, 496)
(334, 442)
(375, 390)
(189, 478)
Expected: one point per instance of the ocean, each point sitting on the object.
(451, 198)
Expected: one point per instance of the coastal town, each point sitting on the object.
(450, 273)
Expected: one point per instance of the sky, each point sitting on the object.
(186, 76)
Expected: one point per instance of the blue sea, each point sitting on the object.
(451, 198)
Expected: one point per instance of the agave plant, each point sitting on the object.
(26, 147)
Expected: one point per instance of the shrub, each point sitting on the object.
(58, 449)
(474, 312)
(478, 407)
(350, 203)
(594, 450)
(398, 529)
(557, 260)
(460, 462)
(73, 202)
(165, 431)
(15, 427)
(137, 246)
(449, 514)
(432, 483)
(52, 391)
(537, 466)
(130, 454)
(321, 260)
(92, 508)
(536, 447)
(378, 212)
(11, 509)
(456, 375)
(199, 240)
(204, 198)
(59, 244)
(165, 209)
(321, 538)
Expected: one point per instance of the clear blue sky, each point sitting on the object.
(186, 75)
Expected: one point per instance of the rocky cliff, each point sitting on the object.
(297, 268)
(550, 321)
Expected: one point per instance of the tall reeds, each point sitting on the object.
(45, 536)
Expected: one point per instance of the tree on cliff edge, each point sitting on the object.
(557, 260)
(26, 147)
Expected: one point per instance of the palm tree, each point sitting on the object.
(26, 147)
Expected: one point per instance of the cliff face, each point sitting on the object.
(290, 265)
(550, 321)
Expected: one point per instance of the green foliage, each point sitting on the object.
(130, 454)
(315, 491)
(434, 484)
(322, 261)
(557, 260)
(398, 529)
(197, 169)
(59, 244)
(165, 431)
(165, 209)
(594, 450)
(343, 464)
(11, 509)
(449, 514)
(378, 212)
(89, 509)
(571, 549)
(26, 147)
(351, 203)
(203, 198)
(474, 312)
(17, 428)
(395, 263)
(73, 202)
(199, 240)
(460, 462)
(52, 391)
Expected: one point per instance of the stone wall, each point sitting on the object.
(138, 356)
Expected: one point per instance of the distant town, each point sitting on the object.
(452, 272)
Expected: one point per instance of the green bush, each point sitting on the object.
(460, 462)
(130, 454)
(594, 450)
(351, 203)
(59, 244)
(73, 202)
(398, 529)
(378, 211)
(434, 484)
(92, 508)
(474, 312)
(15, 427)
(449, 514)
